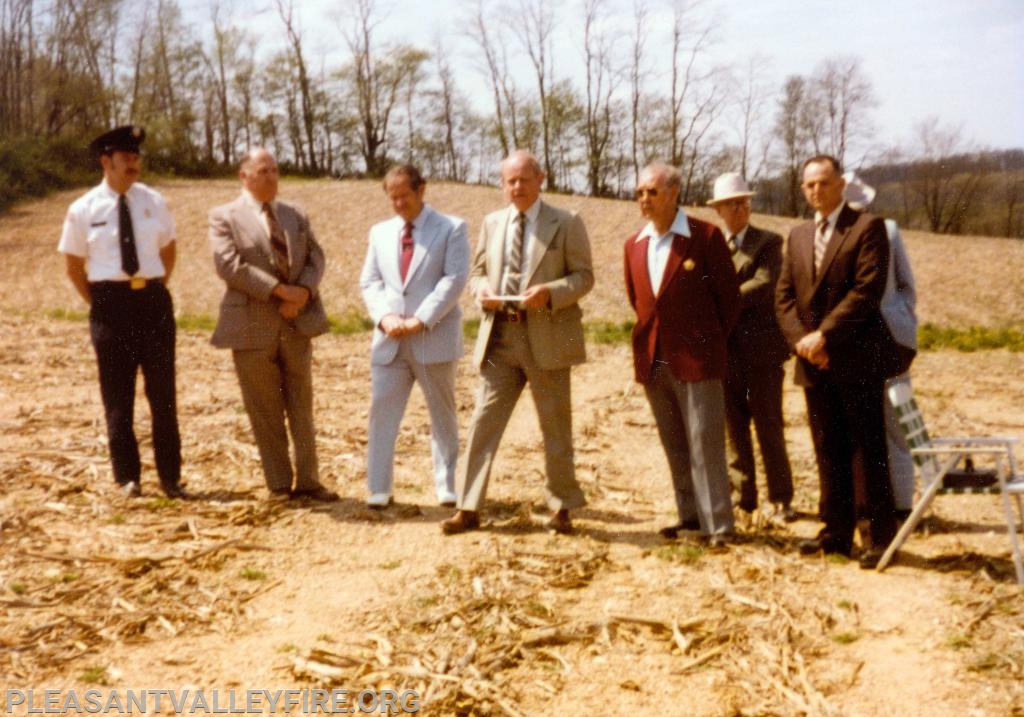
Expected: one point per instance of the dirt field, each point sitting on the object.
(234, 592)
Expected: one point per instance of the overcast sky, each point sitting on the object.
(960, 60)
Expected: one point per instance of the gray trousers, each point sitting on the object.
(276, 385)
(507, 368)
(391, 386)
(691, 424)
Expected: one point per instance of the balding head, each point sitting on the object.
(258, 172)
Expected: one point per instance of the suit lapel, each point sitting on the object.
(751, 245)
(389, 240)
(841, 232)
(289, 221)
(543, 233)
(496, 252)
(641, 277)
(679, 249)
(252, 227)
(422, 244)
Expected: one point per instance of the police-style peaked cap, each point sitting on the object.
(121, 139)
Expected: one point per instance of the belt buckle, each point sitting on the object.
(137, 283)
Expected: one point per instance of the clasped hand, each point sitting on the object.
(293, 300)
(811, 348)
(396, 326)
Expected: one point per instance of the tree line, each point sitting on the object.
(596, 92)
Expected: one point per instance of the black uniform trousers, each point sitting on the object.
(846, 420)
(133, 328)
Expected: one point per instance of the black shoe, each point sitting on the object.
(559, 522)
(828, 546)
(175, 491)
(317, 493)
(786, 512)
(869, 559)
(673, 531)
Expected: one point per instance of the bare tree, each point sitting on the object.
(534, 24)
(843, 97)
(376, 82)
(685, 74)
(752, 97)
(946, 185)
(224, 61)
(503, 88)
(790, 128)
(600, 82)
(307, 158)
(636, 82)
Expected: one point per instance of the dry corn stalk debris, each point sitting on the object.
(89, 576)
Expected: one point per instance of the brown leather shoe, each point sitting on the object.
(560, 522)
(463, 521)
(318, 493)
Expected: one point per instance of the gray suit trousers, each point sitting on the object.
(392, 384)
(276, 384)
(691, 424)
(509, 365)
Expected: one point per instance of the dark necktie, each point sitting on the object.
(734, 246)
(820, 244)
(407, 247)
(278, 243)
(126, 237)
(515, 258)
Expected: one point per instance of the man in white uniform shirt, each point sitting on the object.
(118, 243)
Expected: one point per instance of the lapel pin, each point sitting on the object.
(688, 265)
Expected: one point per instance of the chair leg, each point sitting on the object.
(1011, 521)
(918, 512)
(1011, 527)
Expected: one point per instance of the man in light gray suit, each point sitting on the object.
(265, 251)
(415, 270)
(531, 267)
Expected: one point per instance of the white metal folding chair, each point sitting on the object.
(937, 457)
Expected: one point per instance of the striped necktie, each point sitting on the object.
(820, 244)
(278, 243)
(513, 275)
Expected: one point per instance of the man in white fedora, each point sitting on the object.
(757, 350)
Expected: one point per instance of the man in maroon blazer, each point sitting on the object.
(827, 302)
(681, 283)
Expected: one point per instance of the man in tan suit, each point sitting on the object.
(531, 267)
(265, 251)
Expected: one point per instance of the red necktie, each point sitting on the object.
(407, 246)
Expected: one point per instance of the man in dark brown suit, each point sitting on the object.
(757, 351)
(827, 304)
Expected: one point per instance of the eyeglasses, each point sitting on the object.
(733, 203)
